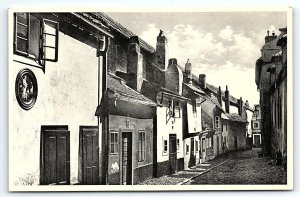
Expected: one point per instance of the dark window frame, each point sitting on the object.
(165, 146)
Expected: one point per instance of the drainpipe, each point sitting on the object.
(102, 51)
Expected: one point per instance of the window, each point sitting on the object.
(178, 144)
(196, 145)
(176, 109)
(114, 145)
(142, 146)
(35, 37)
(209, 142)
(195, 108)
(217, 122)
(165, 146)
(255, 125)
(224, 127)
(187, 149)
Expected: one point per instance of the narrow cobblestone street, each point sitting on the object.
(244, 168)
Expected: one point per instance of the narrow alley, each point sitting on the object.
(245, 168)
(242, 167)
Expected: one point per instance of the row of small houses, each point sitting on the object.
(95, 104)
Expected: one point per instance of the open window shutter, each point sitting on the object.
(22, 25)
(50, 40)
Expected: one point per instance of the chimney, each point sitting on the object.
(227, 101)
(188, 71)
(269, 38)
(161, 53)
(174, 77)
(247, 103)
(135, 63)
(240, 106)
(202, 80)
(220, 96)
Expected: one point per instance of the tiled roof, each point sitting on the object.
(195, 89)
(235, 117)
(214, 99)
(117, 85)
(99, 18)
(210, 87)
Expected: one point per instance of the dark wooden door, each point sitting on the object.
(89, 138)
(235, 143)
(256, 141)
(126, 159)
(172, 153)
(55, 155)
(192, 161)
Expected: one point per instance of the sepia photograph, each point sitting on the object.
(119, 99)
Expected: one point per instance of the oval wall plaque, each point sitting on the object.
(26, 88)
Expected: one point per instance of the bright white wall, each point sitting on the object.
(67, 95)
(163, 131)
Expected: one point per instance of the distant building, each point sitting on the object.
(256, 126)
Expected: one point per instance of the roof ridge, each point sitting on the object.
(124, 31)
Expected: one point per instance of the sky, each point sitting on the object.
(222, 45)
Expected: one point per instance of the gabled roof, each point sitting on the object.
(117, 85)
(235, 118)
(103, 20)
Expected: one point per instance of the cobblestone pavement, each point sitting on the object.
(184, 176)
(244, 168)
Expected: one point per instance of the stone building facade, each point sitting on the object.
(271, 80)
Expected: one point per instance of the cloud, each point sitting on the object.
(226, 33)
(219, 54)
(150, 34)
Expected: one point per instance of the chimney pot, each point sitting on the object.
(273, 33)
(188, 71)
(202, 80)
(173, 61)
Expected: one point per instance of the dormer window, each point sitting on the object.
(36, 38)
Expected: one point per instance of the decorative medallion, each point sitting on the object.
(26, 89)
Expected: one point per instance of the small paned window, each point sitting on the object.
(114, 145)
(142, 146)
(187, 149)
(165, 146)
(255, 125)
(176, 109)
(178, 144)
(35, 37)
(217, 122)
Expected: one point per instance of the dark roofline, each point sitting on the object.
(121, 29)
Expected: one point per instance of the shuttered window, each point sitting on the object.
(36, 38)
